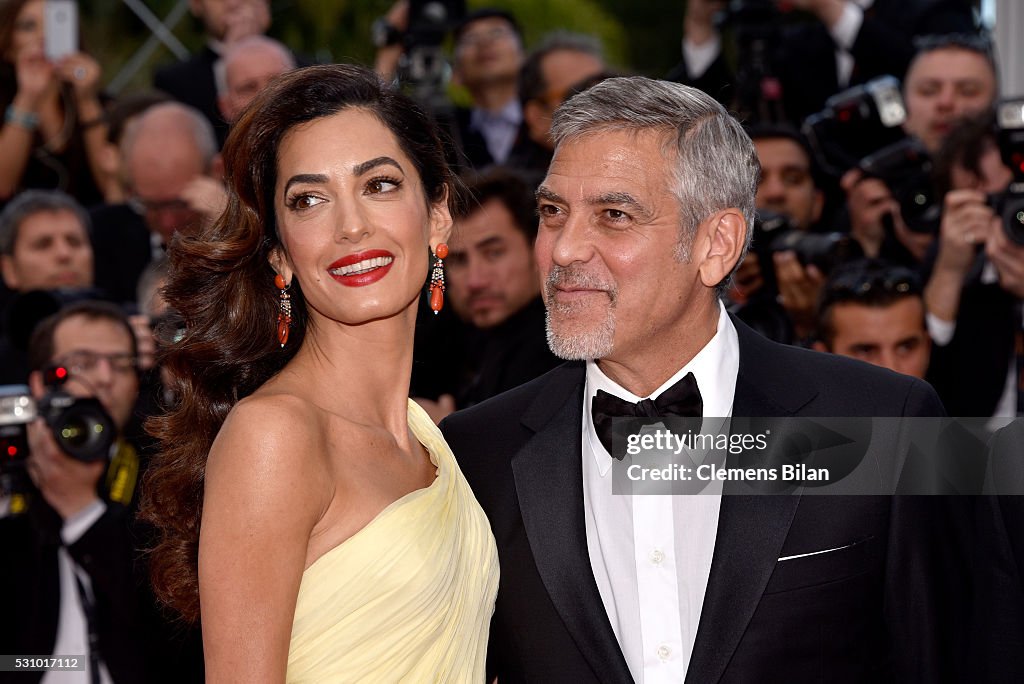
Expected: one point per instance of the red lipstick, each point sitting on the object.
(373, 264)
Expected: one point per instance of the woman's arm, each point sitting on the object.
(265, 490)
(83, 73)
(21, 119)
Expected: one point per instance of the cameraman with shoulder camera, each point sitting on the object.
(976, 285)
(68, 579)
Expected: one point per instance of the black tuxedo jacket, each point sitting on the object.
(871, 610)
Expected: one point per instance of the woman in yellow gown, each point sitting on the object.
(309, 511)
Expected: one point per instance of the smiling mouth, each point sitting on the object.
(361, 267)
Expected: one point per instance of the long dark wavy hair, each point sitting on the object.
(222, 284)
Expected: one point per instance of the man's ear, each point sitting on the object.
(279, 262)
(725, 235)
(820, 346)
(8, 272)
(818, 206)
(224, 108)
(35, 384)
(217, 167)
(538, 121)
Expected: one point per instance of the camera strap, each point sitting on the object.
(122, 473)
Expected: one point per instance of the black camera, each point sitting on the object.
(774, 233)
(423, 69)
(856, 123)
(1010, 204)
(906, 169)
(81, 426)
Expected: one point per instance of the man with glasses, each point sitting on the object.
(488, 55)
(874, 312)
(68, 588)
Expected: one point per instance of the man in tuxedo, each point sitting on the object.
(644, 214)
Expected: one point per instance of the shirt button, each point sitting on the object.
(657, 557)
(664, 652)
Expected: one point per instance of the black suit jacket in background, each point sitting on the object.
(191, 82)
(875, 610)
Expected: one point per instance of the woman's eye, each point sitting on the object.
(300, 202)
(382, 185)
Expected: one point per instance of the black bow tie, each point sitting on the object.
(681, 399)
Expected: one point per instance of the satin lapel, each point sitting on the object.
(549, 484)
(751, 531)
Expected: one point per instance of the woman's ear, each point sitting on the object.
(440, 223)
(279, 262)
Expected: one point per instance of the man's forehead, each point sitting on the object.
(100, 335)
(949, 63)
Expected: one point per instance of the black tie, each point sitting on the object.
(681, 399)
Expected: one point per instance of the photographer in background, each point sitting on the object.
(951, 77)
(846, 42)
(976, 284)
(68, 575)
(874, 312)
(778, 293)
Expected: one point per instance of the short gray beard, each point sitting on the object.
(595, 343)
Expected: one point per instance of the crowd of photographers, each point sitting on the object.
(891, 229)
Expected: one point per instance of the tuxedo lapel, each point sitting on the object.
(751, 529)
(548, 475)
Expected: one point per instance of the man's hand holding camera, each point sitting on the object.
(67, 484)
(1008, 258)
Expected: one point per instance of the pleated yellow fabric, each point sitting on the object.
(409, 597)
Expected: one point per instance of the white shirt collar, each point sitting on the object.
(715, 368)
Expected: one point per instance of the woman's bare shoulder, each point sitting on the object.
(272, 444)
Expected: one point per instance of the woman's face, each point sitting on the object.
(352, 218)
(28, 30)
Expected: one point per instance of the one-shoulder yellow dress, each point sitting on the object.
(409, 597)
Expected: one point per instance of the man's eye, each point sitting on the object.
(547, 210)
(616, 214)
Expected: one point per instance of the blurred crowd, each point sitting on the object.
(890, 229)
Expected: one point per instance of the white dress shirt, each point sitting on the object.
(651, 555)
(72, 629)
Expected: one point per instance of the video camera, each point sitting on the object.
(1010, 204)
(757, 27)
(423, 68)
(81, 426)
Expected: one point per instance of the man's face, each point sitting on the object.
(562, 69)
(98, 354)
(247, 73)
(52, 251)
(617, 279)
(786, 185)
(943, 86)
(159, 171)
(893, 336)
(491, 270)
(488, 52)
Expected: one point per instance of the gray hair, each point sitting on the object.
(30, 202)
(716, 164)
(166, 117)
(239, 48)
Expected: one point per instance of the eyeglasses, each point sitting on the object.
(142, 206)
(478, 37)
(84, 361)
